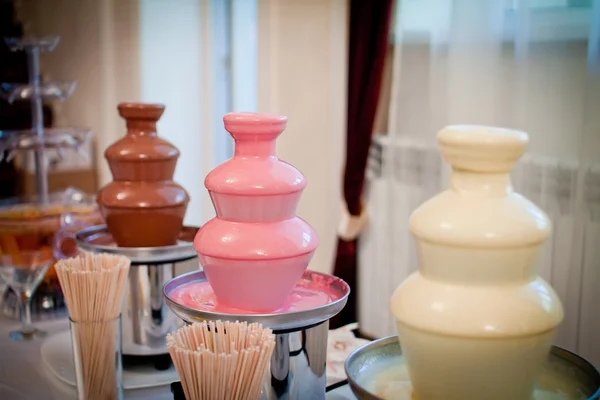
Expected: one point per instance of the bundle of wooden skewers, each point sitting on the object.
(221, 360)
(93, 286)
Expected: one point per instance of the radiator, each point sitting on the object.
(403, 174)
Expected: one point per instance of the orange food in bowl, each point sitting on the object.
(30, 227)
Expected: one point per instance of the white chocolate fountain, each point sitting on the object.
(475, 321)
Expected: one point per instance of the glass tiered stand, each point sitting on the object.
(28, 225)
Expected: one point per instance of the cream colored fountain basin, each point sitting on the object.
(376, 371)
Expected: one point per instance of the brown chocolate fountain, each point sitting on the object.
(144, 210)
(142, 206)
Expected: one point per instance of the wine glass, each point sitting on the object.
(64, 245)
(23, 272)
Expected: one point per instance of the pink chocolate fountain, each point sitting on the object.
(256, 249)
(255, 255)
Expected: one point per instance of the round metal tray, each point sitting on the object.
(278, 322)
(97, 239)
(372, 355)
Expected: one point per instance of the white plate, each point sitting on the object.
(341, 343)
(57, 355)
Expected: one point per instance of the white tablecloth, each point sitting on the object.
(23, 375)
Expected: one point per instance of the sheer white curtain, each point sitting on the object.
(529, 65)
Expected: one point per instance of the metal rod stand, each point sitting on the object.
(37, 116)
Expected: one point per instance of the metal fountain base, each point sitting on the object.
(376, 371)
(298, 362)
(145, 318)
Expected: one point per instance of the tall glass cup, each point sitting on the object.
(97, 356)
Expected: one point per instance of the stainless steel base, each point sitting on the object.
(298, 362)
(298, 365)
(145, 317)
(363, 365)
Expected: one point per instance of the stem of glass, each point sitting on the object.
(25, 300)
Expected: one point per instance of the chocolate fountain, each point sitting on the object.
(478, 243)
(254, 256)
(142, 194)
(475, 321)
(144, 210)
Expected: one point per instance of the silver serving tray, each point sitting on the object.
(385, 350)
(97, 239)
(277, 321)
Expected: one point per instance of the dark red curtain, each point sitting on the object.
(370, 23)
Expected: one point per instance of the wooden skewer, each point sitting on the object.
(221, 360)
(93, 286)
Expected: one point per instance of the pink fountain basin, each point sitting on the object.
(195, 299)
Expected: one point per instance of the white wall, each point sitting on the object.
(244, 55)
(302, 56)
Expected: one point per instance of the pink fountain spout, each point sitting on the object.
(256, 249)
